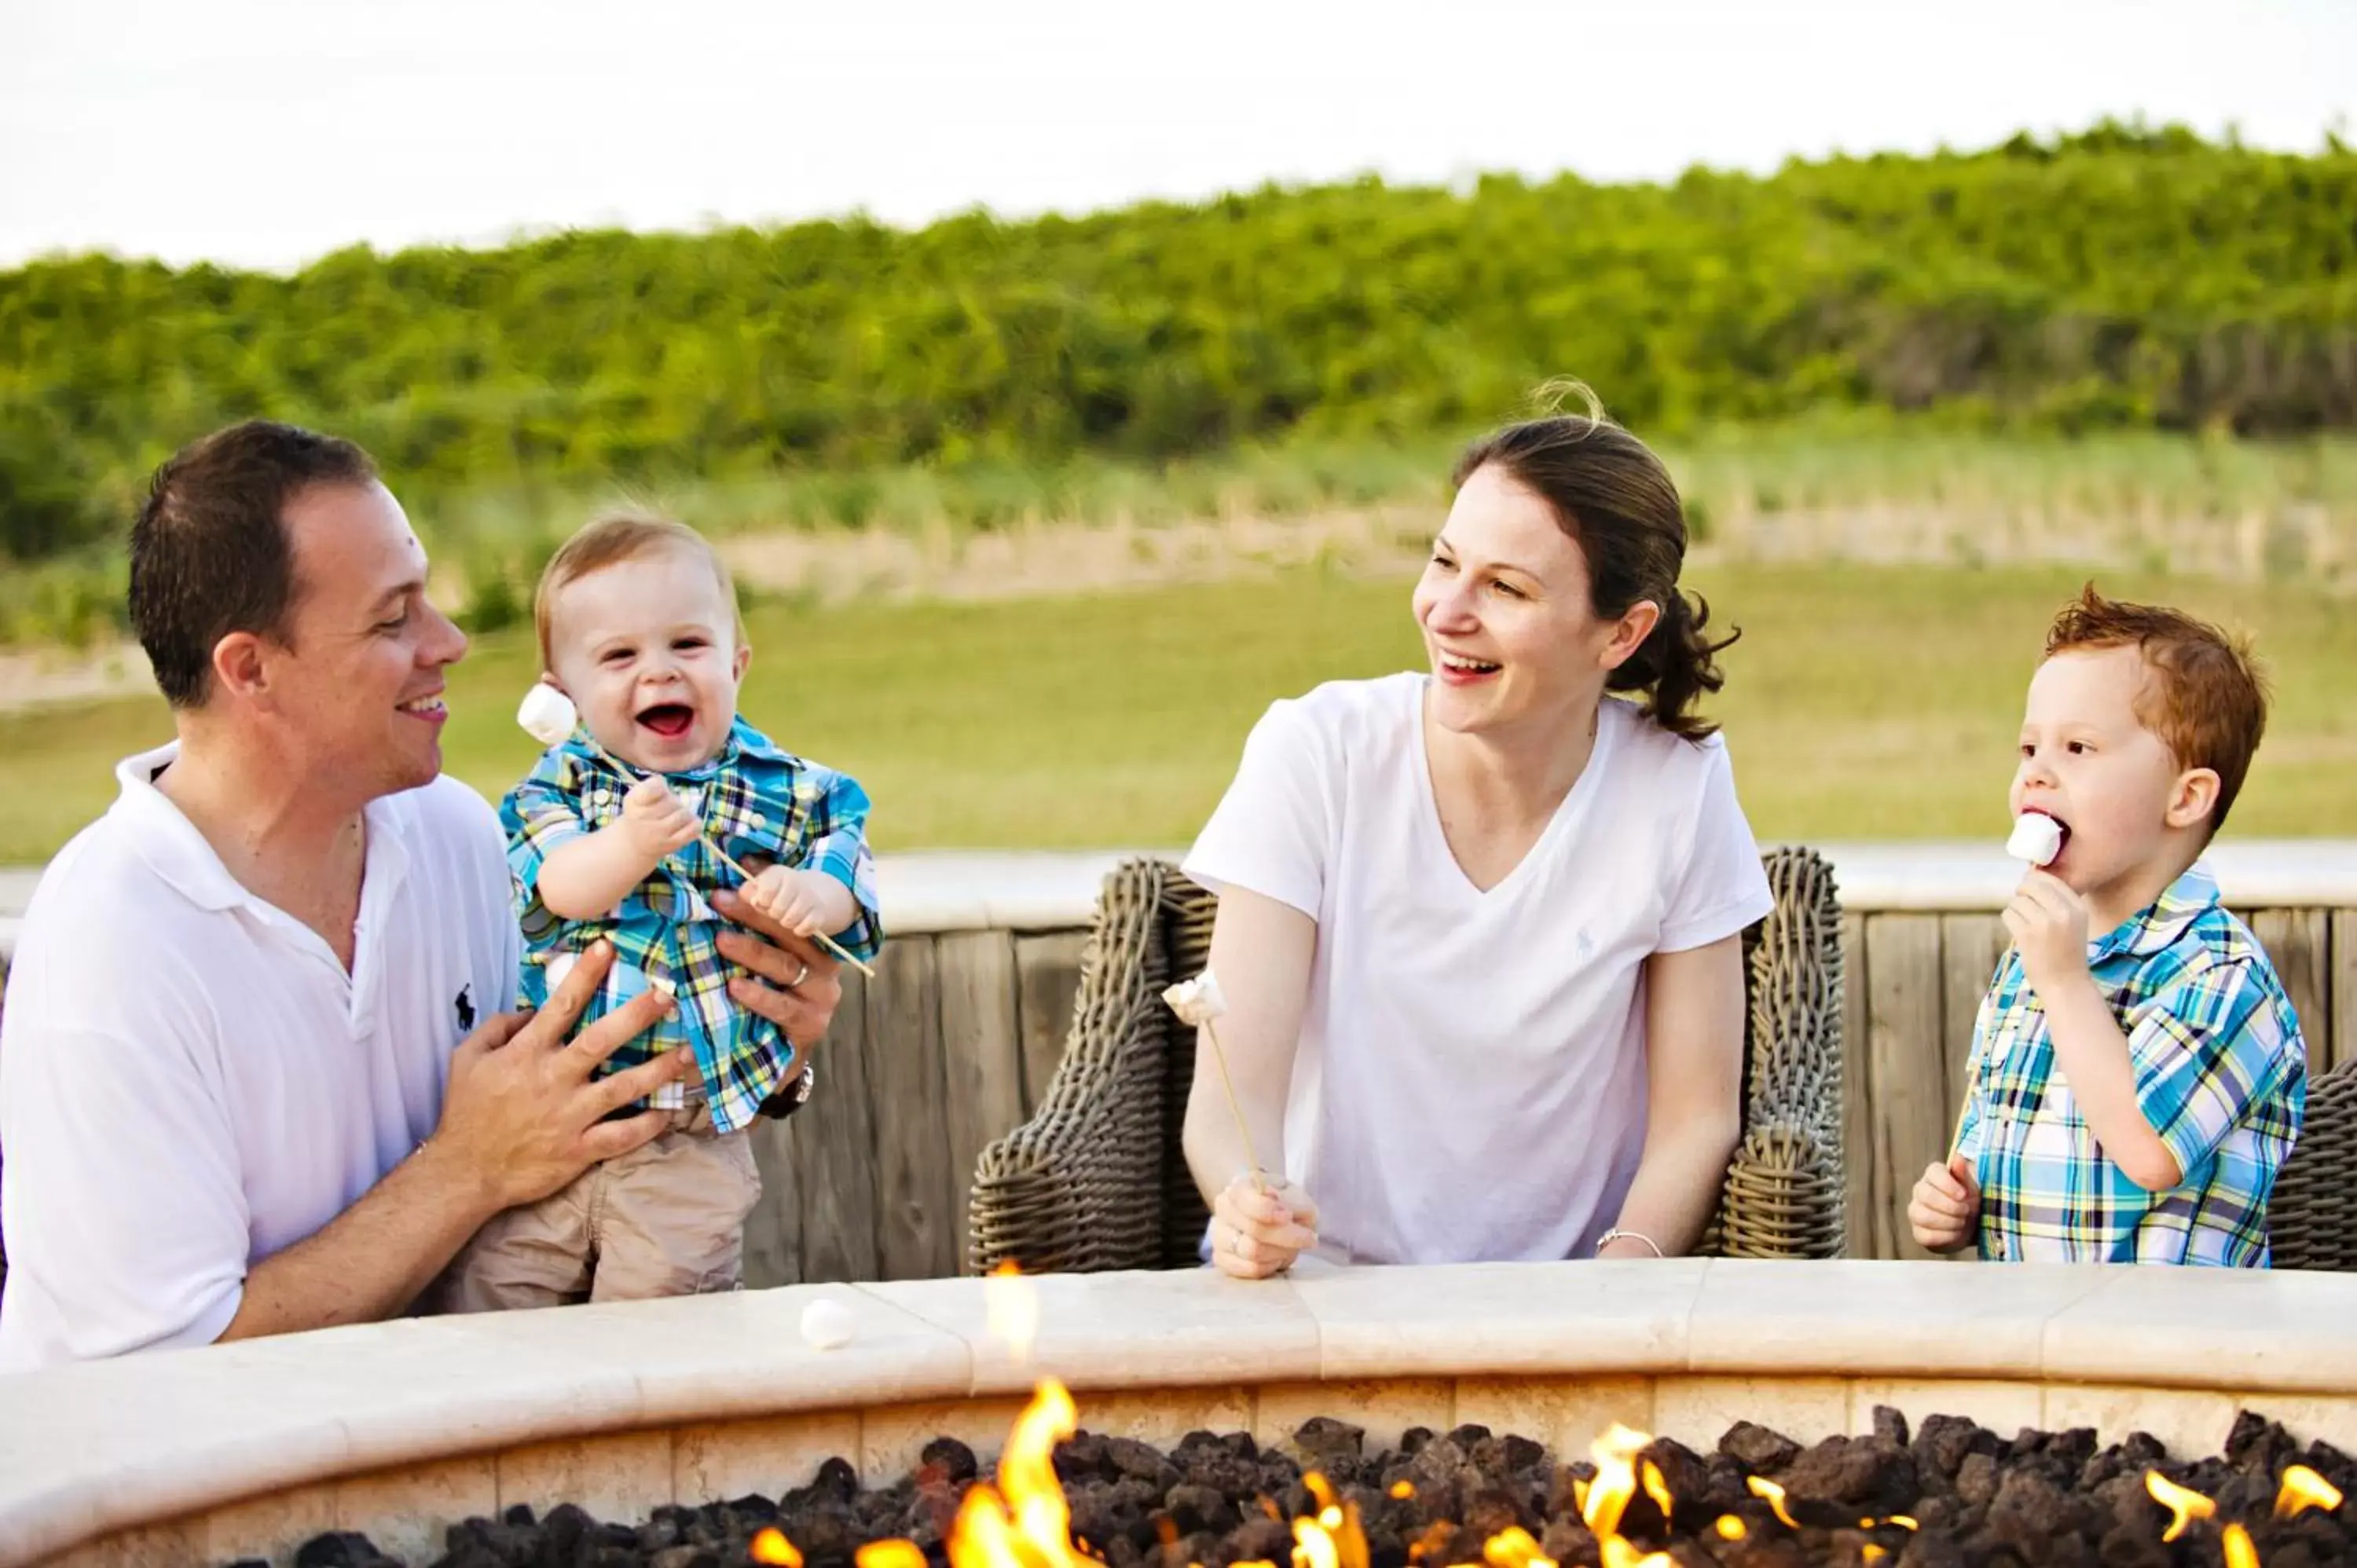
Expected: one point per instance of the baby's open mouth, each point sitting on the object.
(669, 720)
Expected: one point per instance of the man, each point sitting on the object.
(255, 1073)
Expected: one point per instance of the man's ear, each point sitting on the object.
(2195, 799)
(241, 666)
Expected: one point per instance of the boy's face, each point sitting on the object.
(647, 649)
(2088, 762)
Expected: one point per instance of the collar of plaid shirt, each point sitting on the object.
(2152, 928)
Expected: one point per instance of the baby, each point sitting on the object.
(618, 834)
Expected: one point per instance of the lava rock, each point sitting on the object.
(951, 1460)
(1976, 1480)
(1764, 1451)
(1865, 1475)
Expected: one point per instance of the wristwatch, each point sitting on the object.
(791, 1095)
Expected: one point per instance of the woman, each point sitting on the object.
(1479, 928)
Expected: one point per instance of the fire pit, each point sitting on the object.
(1393, 1418)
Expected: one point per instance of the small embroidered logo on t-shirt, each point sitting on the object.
(466, 1004)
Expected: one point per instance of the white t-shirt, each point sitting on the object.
(1470, 1080)
(191, 1081)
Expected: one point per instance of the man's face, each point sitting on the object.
(356, 687)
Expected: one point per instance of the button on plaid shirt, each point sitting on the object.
(2221, 1074)
(756, 799)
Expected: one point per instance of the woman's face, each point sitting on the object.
(1503, 604)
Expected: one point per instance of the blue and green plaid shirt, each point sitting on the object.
(2221, 1074)
(756, 800)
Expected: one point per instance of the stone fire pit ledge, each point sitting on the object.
(89, 1452)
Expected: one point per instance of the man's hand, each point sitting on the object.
(657, 820)
(1945, 1210)
(522, 1108)
(794, 984)
(2049, 925)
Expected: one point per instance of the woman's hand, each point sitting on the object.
(1260, 1225)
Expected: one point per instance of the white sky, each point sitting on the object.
(266, 132)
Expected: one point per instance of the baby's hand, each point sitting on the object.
(657, 820)
(807, 903)
(1945, 1210)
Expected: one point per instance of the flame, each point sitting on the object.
(1730, 1528)
(1023, 1521)
(1012, 1307)
(2302, 1490)
(1603, 1499)
(2184, 1504)
(2240, 1553)
(1762, 1487)
(771, 1547)
(1403, 1489)
(889, 1554)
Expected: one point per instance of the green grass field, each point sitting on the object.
(1862, 703)
(1866, 489)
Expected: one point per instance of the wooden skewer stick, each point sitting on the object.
(1199, 1001)
(825, 940)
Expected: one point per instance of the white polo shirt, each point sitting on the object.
(189, 1079)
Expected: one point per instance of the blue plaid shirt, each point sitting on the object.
(756, 800)
(2221, 1074)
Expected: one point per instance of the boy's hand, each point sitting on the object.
(807, 903)
(1945, 1210)
(2048, 924)
(657, 820)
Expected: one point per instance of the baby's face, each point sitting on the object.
(647, 649)
(2089, 762)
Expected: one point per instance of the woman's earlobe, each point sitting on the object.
(1636, 627)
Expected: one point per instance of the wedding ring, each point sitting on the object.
(801, 975)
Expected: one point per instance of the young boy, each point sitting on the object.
(610, 837)
(2131, 1097)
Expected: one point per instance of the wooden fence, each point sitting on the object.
(953, 1041)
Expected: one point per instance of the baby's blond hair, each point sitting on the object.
(617, 536)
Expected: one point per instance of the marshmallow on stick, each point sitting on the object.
(2037, 838)
(549, 716)
(1197, 1002)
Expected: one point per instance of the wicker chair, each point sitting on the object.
(1095, 1180)
(2312, 1216)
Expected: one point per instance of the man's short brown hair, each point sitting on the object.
(2206, 697)
(210, 553)
(617, 536)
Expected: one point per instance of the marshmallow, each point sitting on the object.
(548, 714)
(1197, 1000)
(827, 1324)
(2037, 838)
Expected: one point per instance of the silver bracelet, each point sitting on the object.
(1617, 1234)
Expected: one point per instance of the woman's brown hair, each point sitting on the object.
(1617, 501)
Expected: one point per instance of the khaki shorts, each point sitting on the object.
(667, 1219)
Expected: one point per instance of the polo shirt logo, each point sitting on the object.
(466, 1004)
